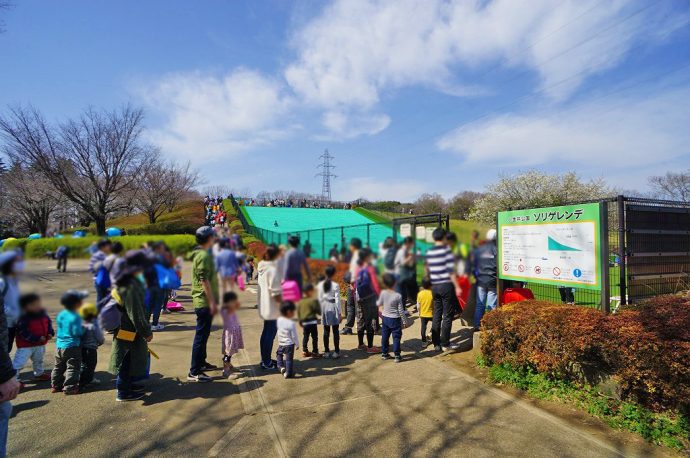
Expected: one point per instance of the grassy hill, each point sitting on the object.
(463, 229)
(184, 219)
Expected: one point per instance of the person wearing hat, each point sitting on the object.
(205, 301)
(129, 356)
(485, 257)
(9, 385)
(65, 376)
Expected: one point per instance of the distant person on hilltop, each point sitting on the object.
(307, 249)
(295, 261)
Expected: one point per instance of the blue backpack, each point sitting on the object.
(363, 284)
(102, 278)
(167, 277)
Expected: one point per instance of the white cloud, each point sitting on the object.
(208, 116)
(356, 50)
(599, 134)
(378, 189)
(342, 125)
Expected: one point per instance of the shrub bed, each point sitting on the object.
(318, 270)
(179, 244)
(645, 349)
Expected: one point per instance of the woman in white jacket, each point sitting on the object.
(269, 300)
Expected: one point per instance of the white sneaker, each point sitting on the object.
(451, 347)
(335, 355)
(327, 355)
(158, 327)
(283, 370)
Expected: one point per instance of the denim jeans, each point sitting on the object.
(486, 298)
(203, 330)
(22, 356)
(101, 293)
(155, 305)
(268, 335)
(285, 357)
(5, 413)
(445, 306)
(391, 327)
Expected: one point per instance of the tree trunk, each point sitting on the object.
(152, 217)
(100, 225)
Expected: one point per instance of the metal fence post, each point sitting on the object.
(368, 238)
(621, 248)
(323, 243)
(604, 257)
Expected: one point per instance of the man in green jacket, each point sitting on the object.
(205, 301)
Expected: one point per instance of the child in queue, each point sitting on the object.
(308, 311)
(90, 341)
(425, 305)
(331, 315)
(288, 341)
(367, 289)
(65, 376)
(393, 313)
(232, 333)
(34, 330)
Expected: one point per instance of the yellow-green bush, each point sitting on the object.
(179, 244)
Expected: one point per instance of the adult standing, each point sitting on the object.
(485, 272)
(9, 385)
(406, 271)
(440, 265)
(114, 261)
(157, 295)
(129, 355)
(11, 266)
(269, 300)
(307, 249)
(205, 301)
(350, 277)
(227, 267)
(101, 278)
(295, 261)
(61, 254)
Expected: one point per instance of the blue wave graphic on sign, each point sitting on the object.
(557, 246)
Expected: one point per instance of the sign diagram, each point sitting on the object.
(558, 245)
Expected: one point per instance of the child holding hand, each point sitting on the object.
(308, 311)
(232, 333)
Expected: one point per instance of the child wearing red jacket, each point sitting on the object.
(34, 330)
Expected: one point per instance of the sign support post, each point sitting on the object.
(604, 258)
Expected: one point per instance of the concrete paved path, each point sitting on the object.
(357, 405)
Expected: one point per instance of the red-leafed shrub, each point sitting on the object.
(645, 349)
(318, 270)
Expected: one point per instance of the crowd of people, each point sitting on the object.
(214, 210)
(133, 289)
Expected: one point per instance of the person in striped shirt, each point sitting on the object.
(440, 268)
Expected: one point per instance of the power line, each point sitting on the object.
(326, 174)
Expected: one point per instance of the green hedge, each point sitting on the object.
(179, 244)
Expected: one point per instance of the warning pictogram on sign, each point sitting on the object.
(537, 270)
(556, 271)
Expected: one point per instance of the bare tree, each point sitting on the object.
(93, 160)
(460, 205)
(162, 185)
(674, 186)
(31, 197)
(430, 203)
(181, 180)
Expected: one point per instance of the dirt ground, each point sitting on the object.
(429, 405)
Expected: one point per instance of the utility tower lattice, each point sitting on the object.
(326, 173)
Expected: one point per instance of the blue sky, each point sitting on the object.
(410, 96)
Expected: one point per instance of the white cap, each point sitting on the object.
(491, 235)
